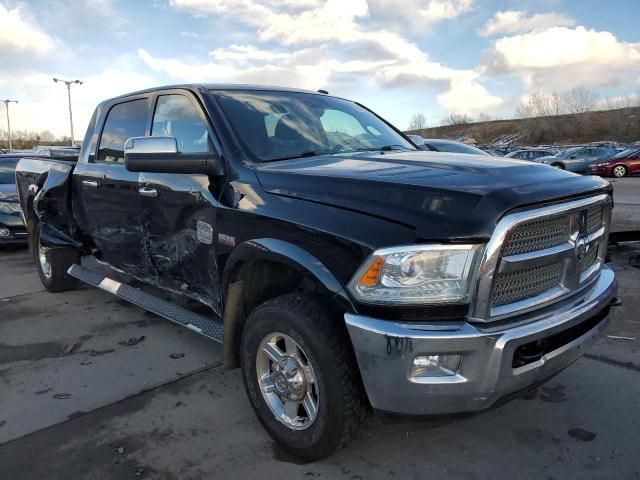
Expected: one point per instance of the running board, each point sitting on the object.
(209, 327)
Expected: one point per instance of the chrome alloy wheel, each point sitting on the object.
(619, 171)
(287, 381)
(44, 264)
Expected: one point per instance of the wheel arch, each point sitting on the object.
(247, 281)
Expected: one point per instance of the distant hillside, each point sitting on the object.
(621, 125)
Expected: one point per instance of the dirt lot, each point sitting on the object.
(94, 388)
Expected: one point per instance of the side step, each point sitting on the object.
(209, 327)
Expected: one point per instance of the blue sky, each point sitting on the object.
(414, 56)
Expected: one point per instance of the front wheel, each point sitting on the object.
(558, 165)
(301, 376)
(52, 264)
(619, 171)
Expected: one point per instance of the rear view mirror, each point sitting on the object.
(161, 155)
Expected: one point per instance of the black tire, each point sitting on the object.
(558, 165)
(342, 404)
(59, 260)
(619, 168)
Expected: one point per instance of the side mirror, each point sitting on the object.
(416, 139)
(161, 155)
(573, 157)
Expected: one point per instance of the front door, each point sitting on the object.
(179, 210)
(109, 201)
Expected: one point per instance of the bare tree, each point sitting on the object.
(484, 117)
(580, 99)
(418, 122)
(536, 105)
(557, 105)
(457, 119)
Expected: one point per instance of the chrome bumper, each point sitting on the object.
(385, 351)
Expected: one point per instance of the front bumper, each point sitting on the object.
(385, 352)
(14, 226)
(602, 171)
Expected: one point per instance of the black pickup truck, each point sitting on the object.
(344, 270)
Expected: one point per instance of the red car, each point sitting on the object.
(624, 163)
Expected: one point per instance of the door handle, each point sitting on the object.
(90, 183)
(148, 192)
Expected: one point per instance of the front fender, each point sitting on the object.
(287, 253)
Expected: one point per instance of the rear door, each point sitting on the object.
(110, 208)
(179, 210)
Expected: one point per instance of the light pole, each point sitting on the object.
(6, 104)
(68, 84)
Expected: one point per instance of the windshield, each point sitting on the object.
(282, 125)
(626, 153)
(8, 170)
(568, 152)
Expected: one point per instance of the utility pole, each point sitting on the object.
(68, 83)
(6, 104)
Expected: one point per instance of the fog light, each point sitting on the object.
(4, 232)
(435, 365)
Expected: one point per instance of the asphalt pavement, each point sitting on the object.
(92, 387)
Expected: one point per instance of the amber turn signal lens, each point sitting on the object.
(370, 277)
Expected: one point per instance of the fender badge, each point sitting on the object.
(226, 240)
(204, 232)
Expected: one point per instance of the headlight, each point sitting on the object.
(424, 274)
(10, 207)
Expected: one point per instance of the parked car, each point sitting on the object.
(577, 159)
(343, 270)
(531, 153)
(624, 163)
(451, 146)
(57, 151)
(12, 228)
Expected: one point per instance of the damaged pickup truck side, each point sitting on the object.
(343, 269)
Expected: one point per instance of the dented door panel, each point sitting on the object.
(179, 228)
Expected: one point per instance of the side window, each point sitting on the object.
(124, 120)
(176, 116)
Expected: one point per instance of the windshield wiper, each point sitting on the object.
(305, 154)
(383, 148)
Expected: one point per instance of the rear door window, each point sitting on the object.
(124, 120)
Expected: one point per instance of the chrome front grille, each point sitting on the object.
(537, 235)
(527, 283)
(542, 255)
(594, 219)
(588, 260)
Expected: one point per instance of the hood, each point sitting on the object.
(441, 195)
(8, 192)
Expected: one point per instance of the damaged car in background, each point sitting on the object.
(342, 269)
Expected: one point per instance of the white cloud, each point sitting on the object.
(559, 58)
(43, 104)
(438, 10)
(510, 22)
(468, 96)
(17, 31)
(321, 29)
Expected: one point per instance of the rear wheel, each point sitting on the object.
(301, 376)
(619, 171)
(52, 264)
